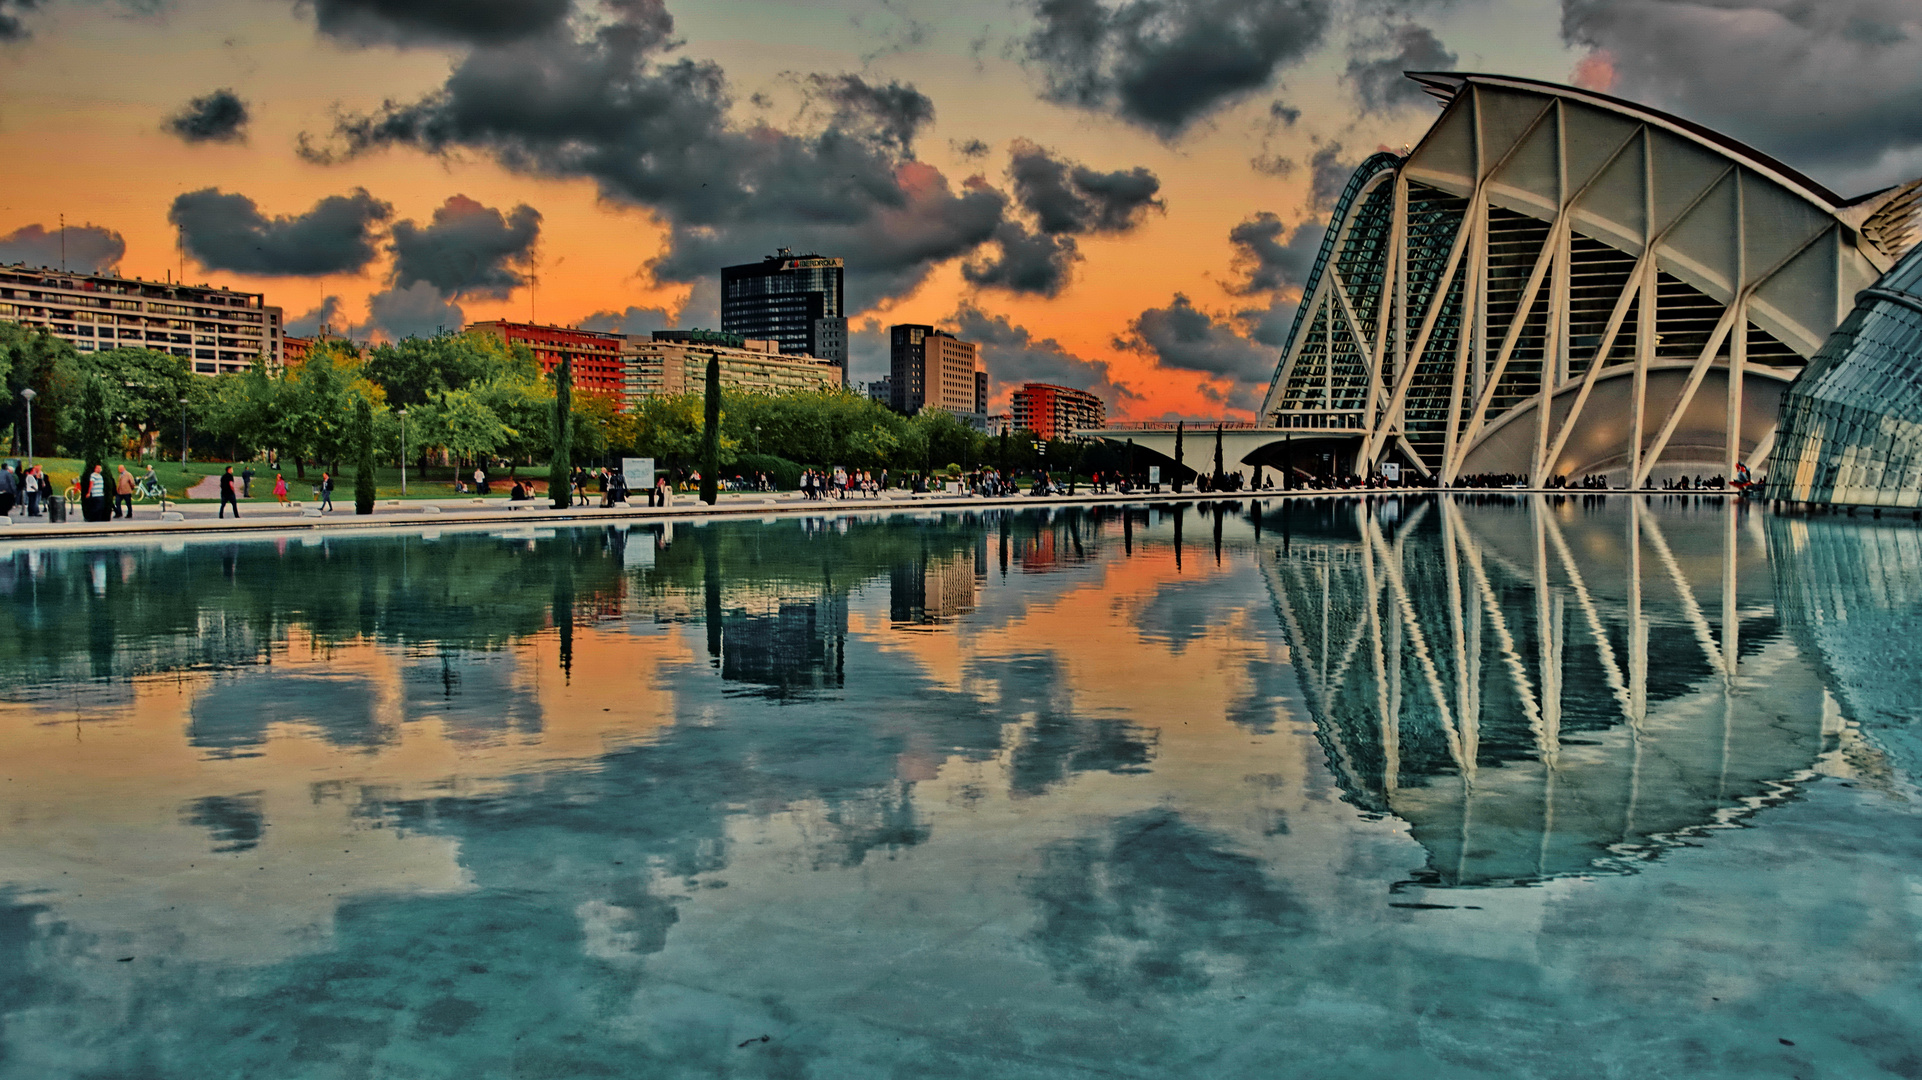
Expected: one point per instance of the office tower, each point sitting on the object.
(794, 300)
(933, 369)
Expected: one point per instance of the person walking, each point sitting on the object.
(9, 489)
(280, 488)
(326, 491)
(246, 484)
(123, 494)
(480, 480)
(93, 503)
(227, 493)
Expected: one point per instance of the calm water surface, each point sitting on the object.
(1578, 788)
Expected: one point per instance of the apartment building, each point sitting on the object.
(216, 329)
(675, 362)
(1055, 412)
(933, 369)
(598, 365)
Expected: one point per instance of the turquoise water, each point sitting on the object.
(1577, 788)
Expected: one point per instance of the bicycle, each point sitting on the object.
(145, 489)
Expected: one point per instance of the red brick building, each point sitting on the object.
(1054, 412)
(597, 356)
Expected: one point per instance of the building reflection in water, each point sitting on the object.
(1488, 679)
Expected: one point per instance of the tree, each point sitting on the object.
(711, 434)
(560, 469)
(364, 453)
(1176, 478)
(94, 429)
(459, 423)
(1217, 480)
(27, 361)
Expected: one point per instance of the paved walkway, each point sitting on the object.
(202, 519)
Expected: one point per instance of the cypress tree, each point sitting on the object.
(363, 455)
(1217, 457)
(711, 434)
(560, 470)
(1178, 466)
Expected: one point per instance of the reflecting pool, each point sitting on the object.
(1598, 787)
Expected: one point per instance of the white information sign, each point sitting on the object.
(637, 473)
(1391, 472)
(1154, 474)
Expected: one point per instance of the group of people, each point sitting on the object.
(27, 487)
(835, 484)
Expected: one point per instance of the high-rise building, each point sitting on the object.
(218, 330)
(675, 362)
(794, 300)
(596, 355)
(1056, 412)
(881, 390)
(933, 369)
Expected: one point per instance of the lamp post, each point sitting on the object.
(28, 395)
(183, 431)
(403, 452)
(757, 440)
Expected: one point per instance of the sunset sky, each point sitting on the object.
(1118, 195)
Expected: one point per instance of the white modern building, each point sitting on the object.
(218, 330)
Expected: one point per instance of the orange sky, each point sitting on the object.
(84, 96)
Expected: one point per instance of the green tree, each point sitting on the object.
(560, 467)
(94, 430)
(461, 424)
(28, 359)
(364, 454)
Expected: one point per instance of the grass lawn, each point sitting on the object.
(178, 478)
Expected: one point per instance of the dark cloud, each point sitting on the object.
(1032, 263)
(411, 22)
(894, 113)
(11, 28)
(1181, 335)
(970, 148)
(1066, 197)
(1832, 87)
(329, 314)
(636, 321)
(1013, 356)
(1269, 325)
(1164, 64)
(89, 248)
(419, 310)
(1271, 256)
(1328, 175)
(228, 232)
(1283, 112)
(1272, 165)
(1378, 66)
(468, 249)
(655, 133)
(218, 117)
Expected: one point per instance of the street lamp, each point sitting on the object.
(183, 431)
(403, 451)
(757, 439)
(29, 395)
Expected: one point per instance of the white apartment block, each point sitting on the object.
(217, 330)
(680, 367)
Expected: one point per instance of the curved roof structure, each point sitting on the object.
(1555, 281)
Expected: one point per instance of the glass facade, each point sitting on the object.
(1851, 426)
(793, 300)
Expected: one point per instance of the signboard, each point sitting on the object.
(637, 473)
(1391, 472)
(1154, 474)
(810, 264)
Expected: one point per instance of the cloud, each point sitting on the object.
(1271, 256)
(970, 148)
(1031, 263)
(228, 232)
(468, 249)
(1377, 67)
(426, 22)
(1165, 64)
(1066, 197)
(11, 28)
(328, 314)
(1833, 87)
(635, 321)
(1269, 325)
(606, 102)
(217, 117)
(1328, 175)
(1013, 356)
(895, 113)
(1183, 336)
(89, 248)
(419, 310)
